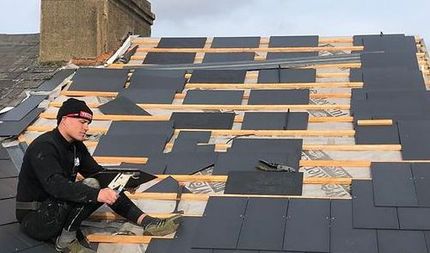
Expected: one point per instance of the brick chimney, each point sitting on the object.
(87, 28)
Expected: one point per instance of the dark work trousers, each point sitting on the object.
(53, 215)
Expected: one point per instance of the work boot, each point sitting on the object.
(74, 247)
(160, 227)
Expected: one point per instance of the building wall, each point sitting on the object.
(87, 28)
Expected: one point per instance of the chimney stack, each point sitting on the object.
(88, 28)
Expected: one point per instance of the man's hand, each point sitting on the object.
(107, 195)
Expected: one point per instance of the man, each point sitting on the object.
(52, 203)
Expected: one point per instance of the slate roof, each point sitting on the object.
(340, 228)
(19, 71)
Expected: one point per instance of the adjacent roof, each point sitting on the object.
(19, 67)
(19, 72)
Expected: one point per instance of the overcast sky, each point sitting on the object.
(258, 17)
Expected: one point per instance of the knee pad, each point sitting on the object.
(91, 182)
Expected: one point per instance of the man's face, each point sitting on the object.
(76, 128)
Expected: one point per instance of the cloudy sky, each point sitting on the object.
(258, 17)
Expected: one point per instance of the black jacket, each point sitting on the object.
(48, 170)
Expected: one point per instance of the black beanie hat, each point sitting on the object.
(74, 108)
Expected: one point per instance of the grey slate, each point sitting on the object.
(184, 235)
(8, 187)
(247, 161)
(167, 185)
(264, 183)
(149, 96)
(158, 245)
(214, 97)
(23, 109)
(411, 218)
(7, 169)
(390, 241)
(187, 163)
(310, 219)
(392, 78)
(169, 58)
(260, 231)
(393, 184)
(13, 240)
(358, 39)
(414, 137)
(413, 97)
(14, 128)
(56, 80)
(399, 75)
(386, 108)
(219, 229)
(137, 145)
(390, 60)
(192, 146)
(278, 97)
(376, 134)
(178, 42)
(365, 213)
(395, 105)
(355, 75)
(44, 248)
(197, 136)
(98, 79)
(235, 42)
(155, 165)
(4, 155)
(343, 237)
(287, 76)
(269, 145)
(7, 207)
(141, 127)
(158, 79)
(189, 140)
(297, 121)
(293, 41)
(218, 76)
(427, 236)
(275, 120)
(390, 44)
(421, 173)
(202, 120)
(181, 243)
(122, 106)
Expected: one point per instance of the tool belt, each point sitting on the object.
(34, 205)
(43, 220)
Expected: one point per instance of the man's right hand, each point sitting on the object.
(107, 195)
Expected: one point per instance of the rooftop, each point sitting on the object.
(344, 113)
